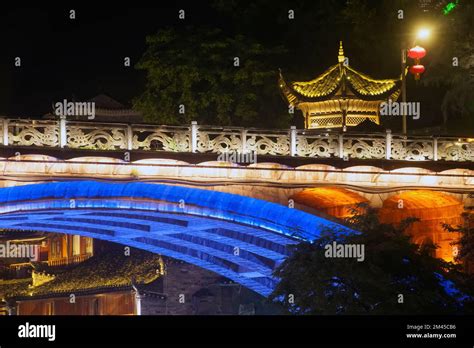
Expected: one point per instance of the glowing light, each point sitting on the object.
(423, 33)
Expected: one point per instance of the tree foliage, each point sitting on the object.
(453, 65)
(204, 75)
(466, 242)
(393, 266)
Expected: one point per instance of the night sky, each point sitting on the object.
(79, 59)
(64, 58)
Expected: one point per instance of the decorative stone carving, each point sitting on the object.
(33, 134)
(219, 143)
(158, 140)
(268, 145)
(410, 150)
(364, 148)
(110, 138)
(319, 147)
(456, 151)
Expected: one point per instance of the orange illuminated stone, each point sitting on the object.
(433, 209)
(333, 201)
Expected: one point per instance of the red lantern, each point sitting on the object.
(417, 70)
(416, 52)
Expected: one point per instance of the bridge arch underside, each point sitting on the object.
(432, 209)
(240, 238)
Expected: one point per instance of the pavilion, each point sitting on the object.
(340, 96)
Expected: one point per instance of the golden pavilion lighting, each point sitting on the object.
(340, 96)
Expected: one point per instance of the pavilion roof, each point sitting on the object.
(340, 80)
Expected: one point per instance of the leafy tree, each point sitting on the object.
(466, 242)
(393, 266)
(453, 65)
(217, 78)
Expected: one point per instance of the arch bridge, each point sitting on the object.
(133, 177)
(241, 238)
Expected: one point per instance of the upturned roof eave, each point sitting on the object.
(294, 97)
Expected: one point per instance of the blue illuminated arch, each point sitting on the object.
(200, 227)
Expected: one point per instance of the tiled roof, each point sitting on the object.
(321, 86)
(336, 81)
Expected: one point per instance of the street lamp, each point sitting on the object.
(422, 34)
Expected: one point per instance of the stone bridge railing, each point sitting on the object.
(212, 139)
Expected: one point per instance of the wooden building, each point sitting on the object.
(55, 249)
(184, 289)
(63, 249)
(112, 301)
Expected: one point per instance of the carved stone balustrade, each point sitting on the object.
(213, 139)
